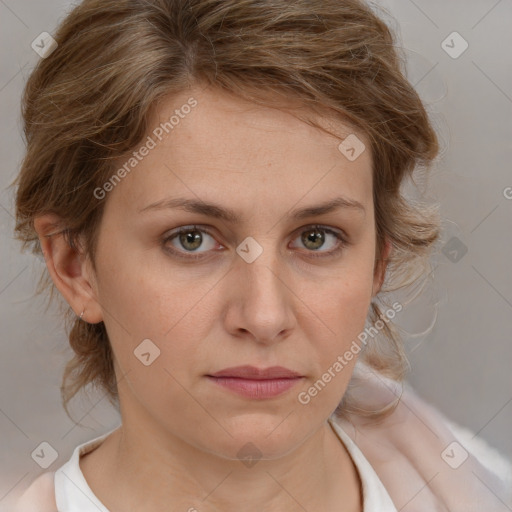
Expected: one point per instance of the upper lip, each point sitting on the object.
(251, 372)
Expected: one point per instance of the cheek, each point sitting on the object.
(345, 312)
(143, 301)
(341, 306)
(156, 327)
(334, 346)
(341, 301)
(137, 294)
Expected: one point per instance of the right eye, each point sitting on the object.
(188, 239)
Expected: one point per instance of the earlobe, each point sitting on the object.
(380, 271)
(68, 268)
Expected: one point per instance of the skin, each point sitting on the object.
(181, 433)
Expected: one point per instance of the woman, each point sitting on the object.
(215, 186)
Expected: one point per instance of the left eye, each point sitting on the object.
(191, 238)
(314, 238)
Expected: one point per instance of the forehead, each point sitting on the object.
(224, 148)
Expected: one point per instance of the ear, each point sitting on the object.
(69, 269)
(380, 267)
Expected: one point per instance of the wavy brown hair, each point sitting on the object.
(88, 103)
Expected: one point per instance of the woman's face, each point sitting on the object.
(263, 288)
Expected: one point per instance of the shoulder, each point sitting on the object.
(416, 447)
(39, 496)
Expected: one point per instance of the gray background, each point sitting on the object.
(461, 364)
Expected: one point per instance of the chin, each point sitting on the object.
(260, 436)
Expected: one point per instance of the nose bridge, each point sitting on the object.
(263, 298)
(261, 266)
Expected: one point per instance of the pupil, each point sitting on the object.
(191, 237)
(316, 237)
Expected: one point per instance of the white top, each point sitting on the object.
(73, 494)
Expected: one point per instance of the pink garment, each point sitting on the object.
(417, 457)
(421, 463)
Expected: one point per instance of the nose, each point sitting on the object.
(260, 303)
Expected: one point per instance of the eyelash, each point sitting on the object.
(343, 241)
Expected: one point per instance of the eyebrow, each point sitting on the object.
(229, 215)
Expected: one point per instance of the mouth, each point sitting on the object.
(254, 383)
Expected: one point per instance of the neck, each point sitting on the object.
(150, 469)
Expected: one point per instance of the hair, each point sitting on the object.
(88, 103)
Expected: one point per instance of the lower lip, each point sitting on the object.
(256, 389)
